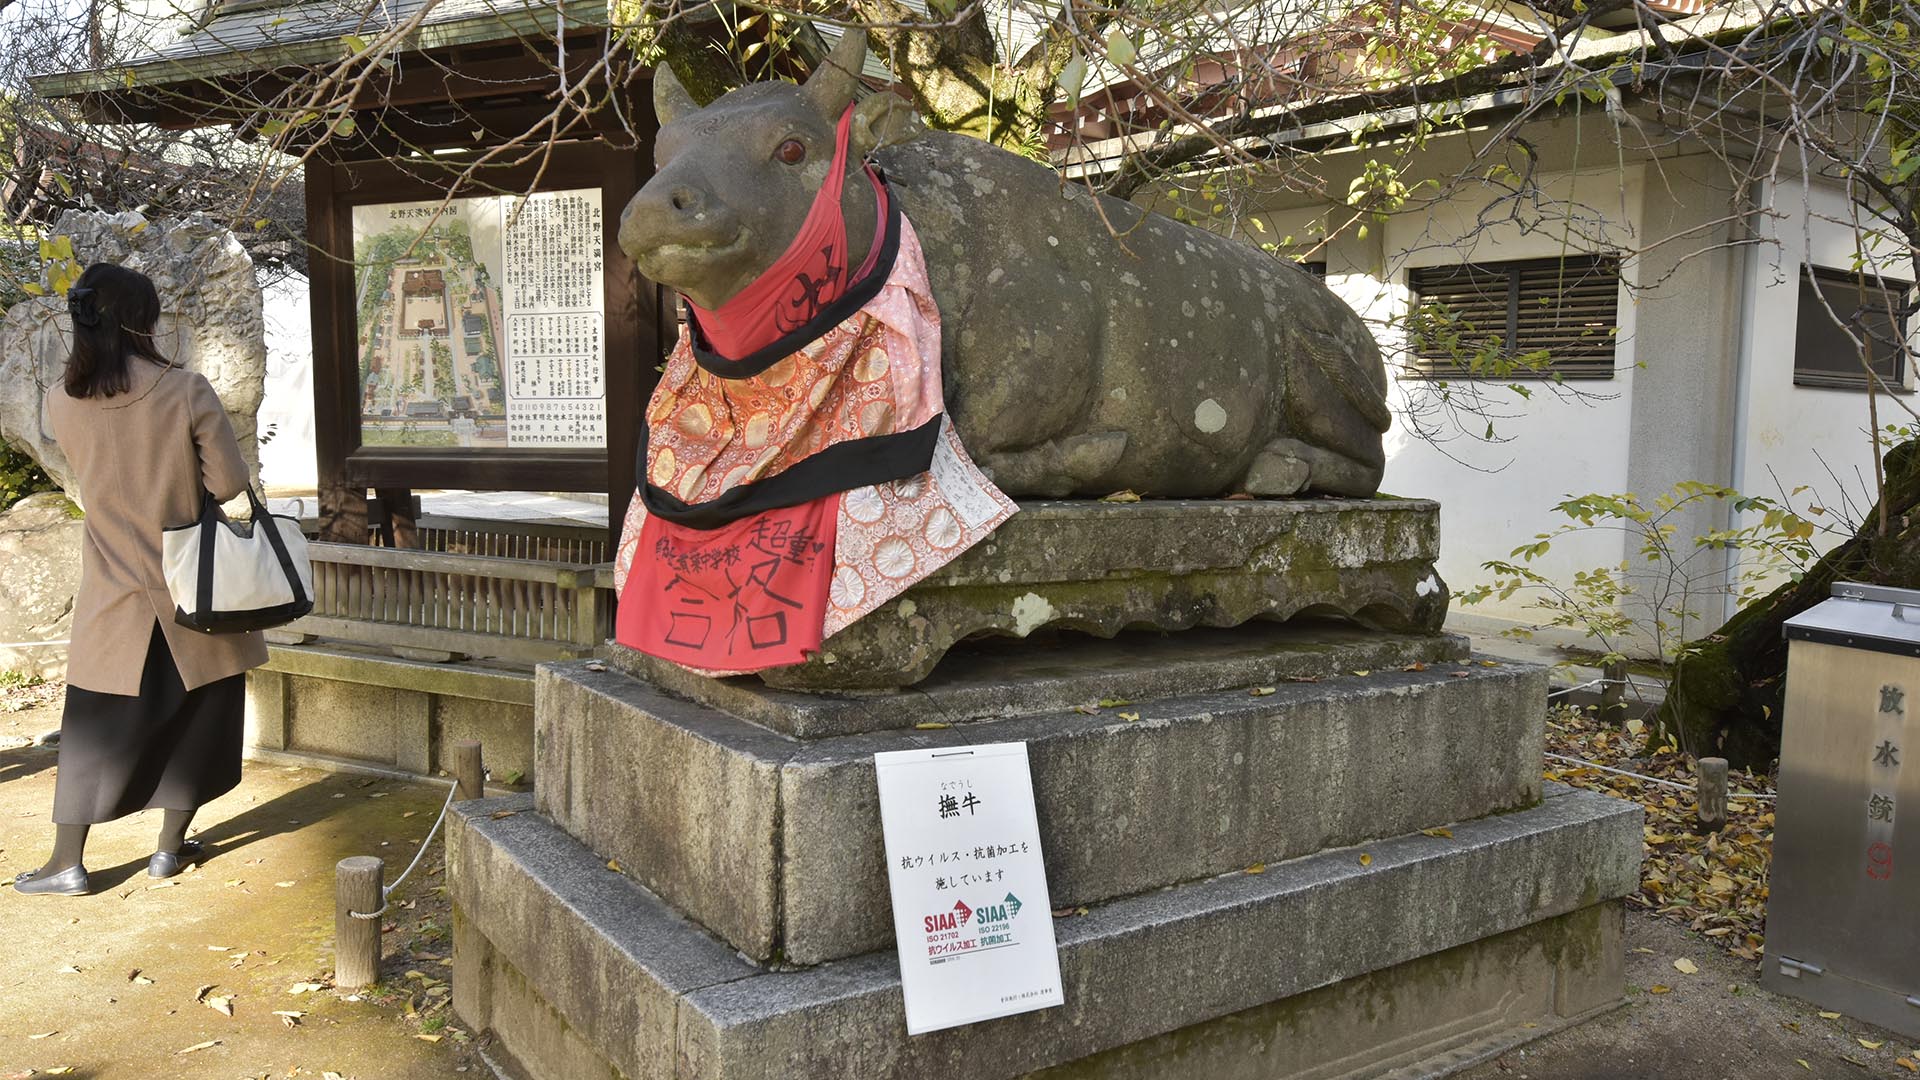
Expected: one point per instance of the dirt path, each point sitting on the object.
(118, 984)
(1715, 1024)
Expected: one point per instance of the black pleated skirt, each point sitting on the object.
(166, 748)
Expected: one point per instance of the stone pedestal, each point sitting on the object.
(1309, 849)
(1099, 568)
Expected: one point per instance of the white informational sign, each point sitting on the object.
(482, 321)
(970, 903)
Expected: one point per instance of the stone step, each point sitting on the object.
(1001, 677)
(774, 843)
(581, 973)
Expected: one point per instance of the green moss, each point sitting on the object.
(20, 476)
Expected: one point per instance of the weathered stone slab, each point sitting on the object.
(592, 945)
(1424, 1018)
(775, 843)
(1000, 677)
(686, 799)
(588, 944)
(40, 540)
(1099, 568)
(364, 705)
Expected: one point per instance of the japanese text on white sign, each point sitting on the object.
(970, 904)
(482, 321)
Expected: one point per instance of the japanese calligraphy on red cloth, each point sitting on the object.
(865, 389)
(747, 595)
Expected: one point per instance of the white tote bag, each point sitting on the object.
(229, 577)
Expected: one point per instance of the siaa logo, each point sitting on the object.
(1000, 912)
(950, 920)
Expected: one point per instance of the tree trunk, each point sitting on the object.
(1726, 693)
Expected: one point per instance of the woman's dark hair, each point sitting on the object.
(114, 310)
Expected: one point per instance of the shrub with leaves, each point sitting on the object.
(1669, 588)
(20, 477)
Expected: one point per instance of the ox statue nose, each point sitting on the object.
(687, 200)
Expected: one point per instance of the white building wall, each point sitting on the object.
(1548, 444)
(1796, 437)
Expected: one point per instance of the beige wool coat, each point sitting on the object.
(142, 459)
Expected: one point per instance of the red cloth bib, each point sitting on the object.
(749, 595)
(810, 274)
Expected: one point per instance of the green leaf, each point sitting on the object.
(1073, 78)
(1120, 48)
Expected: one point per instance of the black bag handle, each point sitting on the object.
(262, 519)
(203, 581)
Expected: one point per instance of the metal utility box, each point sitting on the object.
(1843, 918)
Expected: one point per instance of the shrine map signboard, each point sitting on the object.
(481, 322)
(971, 913)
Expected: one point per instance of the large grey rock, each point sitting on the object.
(774, 844)
(583, 949)
(40, 551)
(1088, 345)
(211, 321)
(1099, 568)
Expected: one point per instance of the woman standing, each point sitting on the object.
(154, 710)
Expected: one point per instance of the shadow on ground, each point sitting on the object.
(116, 985)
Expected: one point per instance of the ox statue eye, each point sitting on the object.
(793, 152)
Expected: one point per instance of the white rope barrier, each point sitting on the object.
(387, 892)
(1588, 685)
(32, 644)
(1653, 779)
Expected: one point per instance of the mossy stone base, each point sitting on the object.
(1100, 568)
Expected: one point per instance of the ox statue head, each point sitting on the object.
(734, 180)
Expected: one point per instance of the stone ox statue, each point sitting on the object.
(1088, 347)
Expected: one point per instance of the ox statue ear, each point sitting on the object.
(830, 88)
(884, 119)
(670, 99)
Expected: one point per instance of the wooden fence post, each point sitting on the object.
(1710, 795)
(358, 887)
(1613, 691)
(469, 770)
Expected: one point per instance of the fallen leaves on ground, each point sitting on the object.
(197, 1047)
(1714, 884)
(1686, 967)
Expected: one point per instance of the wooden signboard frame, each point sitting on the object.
(636, 339)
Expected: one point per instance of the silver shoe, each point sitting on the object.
(69, 882)
(165, 864)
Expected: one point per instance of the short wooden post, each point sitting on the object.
(358, 886)
(469, 771)
(1613, 690)
(1710, 794)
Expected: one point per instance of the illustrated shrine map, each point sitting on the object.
(482, 322)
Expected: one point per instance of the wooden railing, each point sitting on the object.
(510, 539)
(436, 605)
